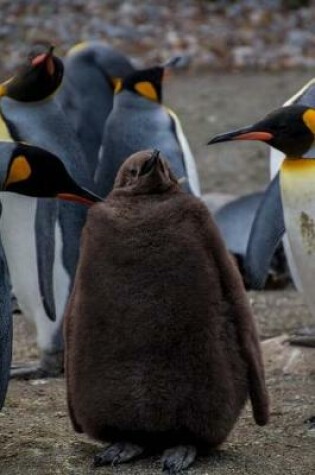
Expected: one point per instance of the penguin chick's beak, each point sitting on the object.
(82, 196)
(246, 133)
(150, 164)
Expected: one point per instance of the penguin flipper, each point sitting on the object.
(266, 233)
(235, 220)
(240, 313)
(68, 322)
(46, 216)
(6, 328)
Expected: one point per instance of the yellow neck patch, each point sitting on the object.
(20, 170)
(309, 119)
(147, 90)
(4, 131)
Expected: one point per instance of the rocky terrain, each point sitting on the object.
(221, 35)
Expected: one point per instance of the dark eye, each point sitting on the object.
(134, 172)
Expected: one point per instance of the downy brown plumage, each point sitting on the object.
(161, 345)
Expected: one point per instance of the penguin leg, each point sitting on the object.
(178, 458)
(304, 337)
(119, 452)
(50, 366)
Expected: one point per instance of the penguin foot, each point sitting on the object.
(50, 366)
(31, 372)
(304, 337)
(178, 458)
(117, 453)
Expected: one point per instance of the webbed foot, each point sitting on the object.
(50, 366)
(304, 337)
(119, 452)
(178, 458)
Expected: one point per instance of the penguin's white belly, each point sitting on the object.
(276, 159)
(17, 228)
(297, 181)
(189, 161)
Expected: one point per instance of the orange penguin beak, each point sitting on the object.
(246, 133)
(82, 196)
(45, 58)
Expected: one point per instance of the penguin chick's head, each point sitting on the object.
(290, 129)
(37, 79)
(146, 83)
(146, 172)
(32, 171)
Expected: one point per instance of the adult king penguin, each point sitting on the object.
(36, 233)
(92, 70)
(306, 97)
(289, 201)
(138, 121)
(161, 348)
(28, 171)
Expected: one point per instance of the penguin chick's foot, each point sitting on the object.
(178, 458)
(117, 453)
(304, 337)
(50, 366)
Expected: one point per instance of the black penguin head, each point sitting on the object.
(146, 172)
(289, 129)
(33, 171)
(98, 54)
(37, 79)
(146, 83)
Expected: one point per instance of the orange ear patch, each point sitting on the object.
(3, 90)
(146, 89)
(309, 119)
(20, 170)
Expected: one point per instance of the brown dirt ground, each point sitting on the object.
(35, 432)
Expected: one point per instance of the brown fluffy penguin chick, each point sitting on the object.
(161, 346)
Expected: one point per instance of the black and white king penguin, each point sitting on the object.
(161, 347)
(289, 201)
(306, 97)
(92, 71)
(139, 121)
(30, 171)
(41, 234)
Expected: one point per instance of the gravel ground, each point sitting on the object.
(35, 433)
(221, 35)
